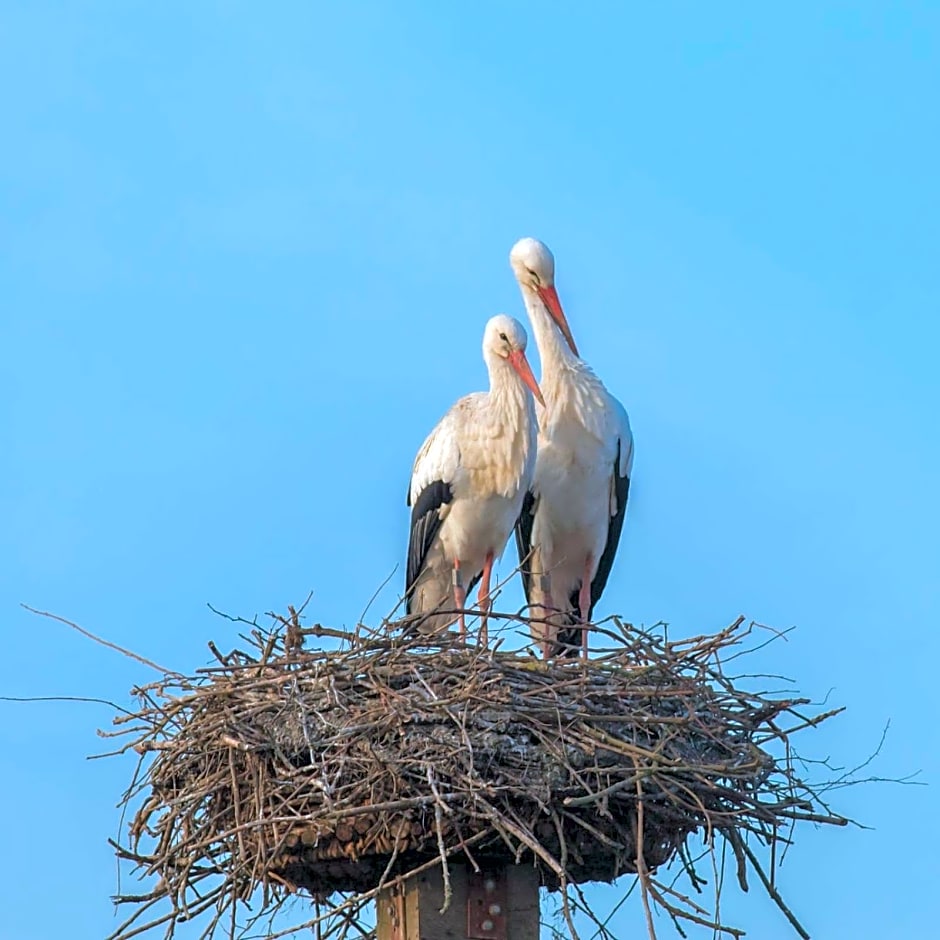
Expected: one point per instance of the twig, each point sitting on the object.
(286, 769)
(98, 639)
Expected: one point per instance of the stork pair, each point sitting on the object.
(559, 478)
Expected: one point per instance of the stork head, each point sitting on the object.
(505, 338)
(534, 267)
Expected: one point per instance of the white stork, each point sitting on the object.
(568, 531)
(468, 483)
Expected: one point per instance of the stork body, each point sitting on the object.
(569, 529)
(468, 483)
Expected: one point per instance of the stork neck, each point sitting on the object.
(554, 351)
(507, 392)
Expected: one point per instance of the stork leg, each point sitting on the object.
(548, 607)
(584, 603)
(460, 599)
(483, 598)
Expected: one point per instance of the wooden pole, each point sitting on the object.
(502, 904)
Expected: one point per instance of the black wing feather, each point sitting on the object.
(523, 532)
(613, 533)
(425, 524)
(474, 581)
(570, 634)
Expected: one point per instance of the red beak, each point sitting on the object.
(519, 362)
(550, 298)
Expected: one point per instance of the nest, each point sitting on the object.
(330, 772)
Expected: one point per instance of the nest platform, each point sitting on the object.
(328, 772)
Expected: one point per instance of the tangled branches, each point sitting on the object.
(337, 772)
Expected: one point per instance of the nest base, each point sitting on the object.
(348, 770)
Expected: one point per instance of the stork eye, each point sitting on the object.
(504, 337)
(534, 276)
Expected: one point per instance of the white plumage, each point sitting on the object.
(468, 483)
(570, 525)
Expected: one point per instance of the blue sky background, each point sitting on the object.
(246, 256)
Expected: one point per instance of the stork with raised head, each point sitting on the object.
(468, 483)
(569, 529)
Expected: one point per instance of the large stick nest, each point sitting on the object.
(323, 771)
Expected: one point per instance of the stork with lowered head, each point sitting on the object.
(572, 515)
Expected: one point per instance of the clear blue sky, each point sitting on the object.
(246, 255)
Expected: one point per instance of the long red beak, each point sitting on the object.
(550, 298)
(519, 362)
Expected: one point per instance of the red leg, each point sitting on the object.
(548, 609)
(460, 599)
(483, 598)
(584, 603)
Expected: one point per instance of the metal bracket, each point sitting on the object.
(486, 905)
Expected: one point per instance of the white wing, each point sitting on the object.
(621, 437)
(621, 432)
(439, 456)
(431, 491)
